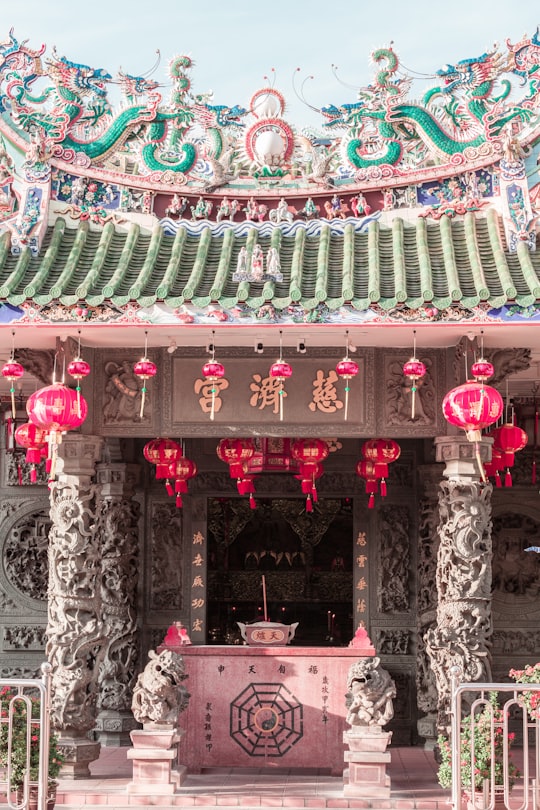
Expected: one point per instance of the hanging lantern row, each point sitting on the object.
(309, 453)
(170, 463)
(378, 454)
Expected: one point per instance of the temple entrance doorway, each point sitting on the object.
(306, 559)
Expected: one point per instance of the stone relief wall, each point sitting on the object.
(394, 569)
(166, 529)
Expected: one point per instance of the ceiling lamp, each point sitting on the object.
(12, 371)
(280, 371)
(472, 407)
(347, 369)
(414, 369)
(78, 369)
(144, 369)
(213, 371)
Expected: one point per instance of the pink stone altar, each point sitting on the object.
(266, 706)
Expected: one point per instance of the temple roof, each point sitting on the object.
(437, 264)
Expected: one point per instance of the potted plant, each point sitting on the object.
(486, 761)
(24, 764)
(531, 700)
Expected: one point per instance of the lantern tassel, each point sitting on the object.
(169, 487)
(280, 394)
(498, 482)
(213, 406)
(12, 392)
(252, 501)
(78, 389)
(346, 402)
(314, 494)
(143, 396)
(309, 504)
(383, 488)
(480, 463)
(508, 478)
(413, 401)
(371, 501)
(33, 474)
(179, 503)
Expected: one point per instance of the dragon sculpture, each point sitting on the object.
(466, 113)
(187, 138)
(74, 118)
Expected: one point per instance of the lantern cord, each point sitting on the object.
(13, 344)
(213, 406)
(280, 395)
(143, 397)
(480, 463)
(280, 345)
(413, 394)
(346, 400)
(54, 368)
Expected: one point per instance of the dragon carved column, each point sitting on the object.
(463, 627)
(117, 526)
(75, 631)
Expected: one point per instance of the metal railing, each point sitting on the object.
(17, 696)
(497, 787)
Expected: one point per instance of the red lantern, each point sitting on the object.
(382, 452)
(493, 467)
(213, 371)
(78, 369)
(12, 371)
(55, 409)
(162, 453)
(34, 439)
(371, 471)
(235, 452)
(347, 369)
(414, 369)
(309, 453)
(144, 369)
(181, 470)
(509, 439)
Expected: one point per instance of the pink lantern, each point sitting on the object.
(482, 370)
(144, 369)
(181, 470)
(78, 369)
(55, 409)
(162, 453)
(509, 439)
(34, 439)
(12, 371)
(280, 371)
(213, 371)
(346, 369)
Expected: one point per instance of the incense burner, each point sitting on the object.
(266, 634)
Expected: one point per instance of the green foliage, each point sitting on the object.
(24, 751)
(531, 700)
(483, 727)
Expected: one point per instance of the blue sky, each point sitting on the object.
(235, 44)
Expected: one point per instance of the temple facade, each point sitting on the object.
(284, 305)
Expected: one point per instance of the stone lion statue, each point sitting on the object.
(159, 695)
(370, 692)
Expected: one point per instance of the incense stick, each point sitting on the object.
(264, 598)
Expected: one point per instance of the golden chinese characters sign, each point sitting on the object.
(248, 395)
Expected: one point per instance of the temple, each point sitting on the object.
(259, 324)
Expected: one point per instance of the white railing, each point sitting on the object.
(18, 701)
(476, 697)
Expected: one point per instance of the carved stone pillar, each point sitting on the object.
(75, 630)
(117, 528)
(463, 571)
(426, 600)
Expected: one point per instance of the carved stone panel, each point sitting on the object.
(25, 554)
(395, 395)
(393, 588)
(166, 550)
